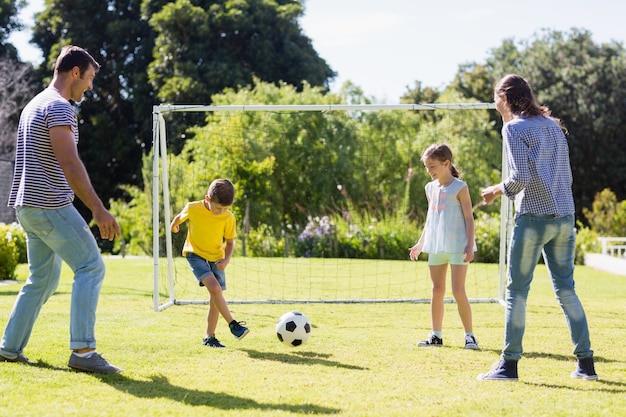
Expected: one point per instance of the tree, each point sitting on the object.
(420, 94)
(202, 47)
(221, 44)
(583, 84)
(291, 166)
(17, 87)
(114, 119)
(9, 22)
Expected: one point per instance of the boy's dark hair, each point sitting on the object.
(222, 191)
(74, 56)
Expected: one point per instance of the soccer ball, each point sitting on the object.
(293, 328)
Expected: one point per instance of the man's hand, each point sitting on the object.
(109, 229)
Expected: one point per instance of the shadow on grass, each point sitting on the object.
(564, 358)
(545, 355)
(158, 386)
(300, 357)
(612, 387)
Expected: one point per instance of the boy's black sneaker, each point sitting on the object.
(431, 341)
(237, 329)
(212, 342)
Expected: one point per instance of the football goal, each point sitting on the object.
(329, 198)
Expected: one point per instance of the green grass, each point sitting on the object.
(360, 361)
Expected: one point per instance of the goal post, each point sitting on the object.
(166, 291)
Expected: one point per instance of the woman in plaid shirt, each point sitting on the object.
(540, 182)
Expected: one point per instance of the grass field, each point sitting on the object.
(360, 361)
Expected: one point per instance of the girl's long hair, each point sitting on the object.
(442, 153)
(521, 99)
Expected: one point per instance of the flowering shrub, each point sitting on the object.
(341, 238)
(317, 240)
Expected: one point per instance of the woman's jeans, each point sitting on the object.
(556, 238)
(54, 236)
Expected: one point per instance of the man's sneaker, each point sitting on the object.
(16, 359)
(471, 342)
(237, 329)
(501, 371)
(431, 341)
(94, 363)
(212, 342)
(585, 370)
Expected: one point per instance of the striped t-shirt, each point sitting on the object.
(38, 180)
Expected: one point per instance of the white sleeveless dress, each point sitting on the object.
(444, 231)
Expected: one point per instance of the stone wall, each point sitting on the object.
(7, 214)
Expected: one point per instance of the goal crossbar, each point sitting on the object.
(159, 146)
(166, 108)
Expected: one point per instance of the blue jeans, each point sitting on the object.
(54, 236)
(556, 238)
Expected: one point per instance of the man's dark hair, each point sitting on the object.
(74, 56)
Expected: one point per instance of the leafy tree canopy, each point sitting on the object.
(177, 51)
(9, 22)
(583, 84)
(203, 46)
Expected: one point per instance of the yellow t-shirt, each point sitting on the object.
(206, 231)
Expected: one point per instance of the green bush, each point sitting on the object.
(261, 242)
(19, 237)
(9, 253)
(586, 242)
(339, 237)
(487, 235)
(607, 216)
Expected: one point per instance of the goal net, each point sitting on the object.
(329, 198)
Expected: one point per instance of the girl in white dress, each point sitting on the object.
(448, 238)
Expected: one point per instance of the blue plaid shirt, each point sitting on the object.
(540, 176)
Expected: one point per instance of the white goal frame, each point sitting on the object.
(159, 147)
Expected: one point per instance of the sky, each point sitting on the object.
(385, 46)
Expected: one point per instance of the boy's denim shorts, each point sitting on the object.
(435, 259)
(201, 268)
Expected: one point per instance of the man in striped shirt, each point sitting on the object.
(540, 181)
(48, 174)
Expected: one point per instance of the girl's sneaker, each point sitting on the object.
(471, 342)
(431, 341)
(212, 342)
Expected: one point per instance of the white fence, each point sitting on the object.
(613, 246)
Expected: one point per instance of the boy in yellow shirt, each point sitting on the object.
(210, 224)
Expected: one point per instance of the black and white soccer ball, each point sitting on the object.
(293, 328)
